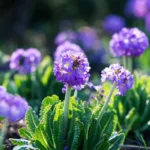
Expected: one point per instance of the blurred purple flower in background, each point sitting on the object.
(122, 77)
(64, 36)
(12, 107)
(129, 12)
(88, 37)
(129, 42)
(92, 46)
(72, 68)
(113, 23)
(140, 8)
(25, 61)
(147, 22)
(65, 47)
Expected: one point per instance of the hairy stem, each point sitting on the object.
(106, 103)
(75, 93)
(66, 109)
(3, 133)
(124, 61)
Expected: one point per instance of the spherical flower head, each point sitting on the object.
(3, 92)
(88, 37)
(16, 59)
(140, 8)
(72, 69)
(18, 109)
(129, 42)
(113, 23)
(12, 107)
(68, 35)
(65, 47)
(32, 59)
(25, 61)
(119, 75)
(4, 109)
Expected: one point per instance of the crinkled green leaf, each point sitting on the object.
(31, 121)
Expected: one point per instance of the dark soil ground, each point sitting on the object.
(12, 132)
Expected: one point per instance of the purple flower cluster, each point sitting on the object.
(97, 88)
(12, 107)
(72, 68)
(129, 42)
(119, 75)
(25, 61)
(140, 9)
(113, 24)
(88, 38)
(64, 36)
(65, 47)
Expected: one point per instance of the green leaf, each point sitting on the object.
(78, 135)
(19, 142)
(70, 133)
(24, 133)
(45, 70)
(108, 123)
(58, 126)
(94, 133)
(31, 121)
(103, 144)
(48, 102)
(116, 140)
(42, 139)
(25, 147)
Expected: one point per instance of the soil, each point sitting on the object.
(12, 132)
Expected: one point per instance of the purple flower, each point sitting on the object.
(119, 75)
(65, 47)
(129, 8)
(113, 24)
(147, 22)
(12, 107)
(64, 88)
(68, 35)
(141, 7)
(88, 37)
(25, 61)
(94, 87)
(129, 42)
(72, 68)
(4, 109)
(18, 109)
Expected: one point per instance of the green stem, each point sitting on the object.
(107, 101)
(75, 93)
(66, 109)
(130, 63)
(3, 133)
(124, 61)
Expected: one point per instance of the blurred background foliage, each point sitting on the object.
(26, 23)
